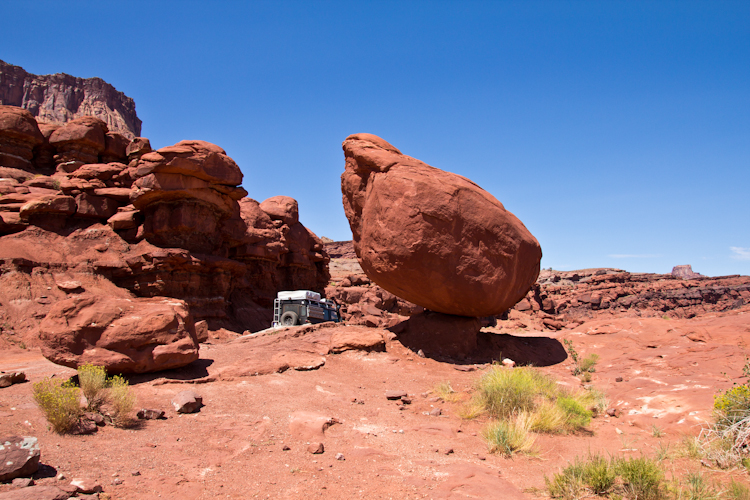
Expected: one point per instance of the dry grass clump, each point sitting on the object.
(444, 391)
(724, 443)
(59, 403)
(524, 400)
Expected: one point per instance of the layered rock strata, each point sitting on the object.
(60, 98)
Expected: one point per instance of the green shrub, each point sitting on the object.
(576, 415)
(503, 392)
(509, 436)
(697, 488)
(59, 402)
(567, 484)
(588, 363)
(122, 400)
(642, 478)
(93, 380)
(738, 491)
(597, 474)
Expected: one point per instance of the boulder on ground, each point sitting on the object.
(187, 402)
(124, 335)
(431, 237)
(19, 457)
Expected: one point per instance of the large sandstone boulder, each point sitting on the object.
(19, 134)
(78, 142)
(124, 335)
(432, 237)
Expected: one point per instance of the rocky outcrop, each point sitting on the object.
(562, 299)
(125, 221)
(60, 98)
(432, 237)
(685, 272)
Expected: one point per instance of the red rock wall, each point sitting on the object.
(172, 222)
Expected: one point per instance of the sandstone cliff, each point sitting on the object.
(60, 98)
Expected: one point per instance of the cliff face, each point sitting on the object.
(60, 98)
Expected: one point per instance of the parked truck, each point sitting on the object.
(303, 306)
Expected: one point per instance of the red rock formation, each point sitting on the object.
(432, 237)
(60, 98)
(685, 272)
(123, 335)
(172, 222)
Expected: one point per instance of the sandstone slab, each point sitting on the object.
(19, 457)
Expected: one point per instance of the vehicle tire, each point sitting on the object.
(289, 318)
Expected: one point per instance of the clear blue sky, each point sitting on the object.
(618, 132)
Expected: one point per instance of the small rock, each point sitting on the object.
(617, 430)
(405, 400)
(187, 402)
(86, 486)
(508, 363)
(8, 379)
(150, 414)
(84, 426)
(116, 481)
(436, 412)
(316, 448)
(22, 482)
(285, 448)
(60, 477)
(339, 456)
(135, 473)
(465, 368)
(618, 379)
(481, 457)
(420, 353)
(613, 412)
(70, 286)
(95, 417)
(448, 451)
(395, 394)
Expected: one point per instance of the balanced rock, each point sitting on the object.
(124, 335)
(432, 237)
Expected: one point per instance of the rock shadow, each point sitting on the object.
(196, 370)
(459, 340)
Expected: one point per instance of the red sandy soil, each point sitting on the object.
(234, 447)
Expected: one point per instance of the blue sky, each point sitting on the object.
(618, 132)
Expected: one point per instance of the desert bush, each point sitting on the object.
(642, 478)
(92, 380)
(733, 405)
(695, 487)
(59, 402)
(503, 392)
(588, 363)
(596, 474)
(509, 436)
(444, 391)
(738, 491)
(122, 400)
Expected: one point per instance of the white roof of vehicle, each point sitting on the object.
(299, 295)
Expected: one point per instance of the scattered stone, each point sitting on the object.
(22, 482)
(395, 394)
(84, 426)
(150, 414)
(187, 402)
(613, 412)
(116, 481)
(97, 418)
(436, 412)
(481, 457)
(8, 379)
(340, 456)
(420, 353)
(316, 448)
(135, 473)
(618, 379)
(70, 286)
(405, 400)
(618, 431)
(86, 486)
(60, 477)
(465, 368)
(19, 457)
(508, 363)
(448, 451)
(285, 448)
